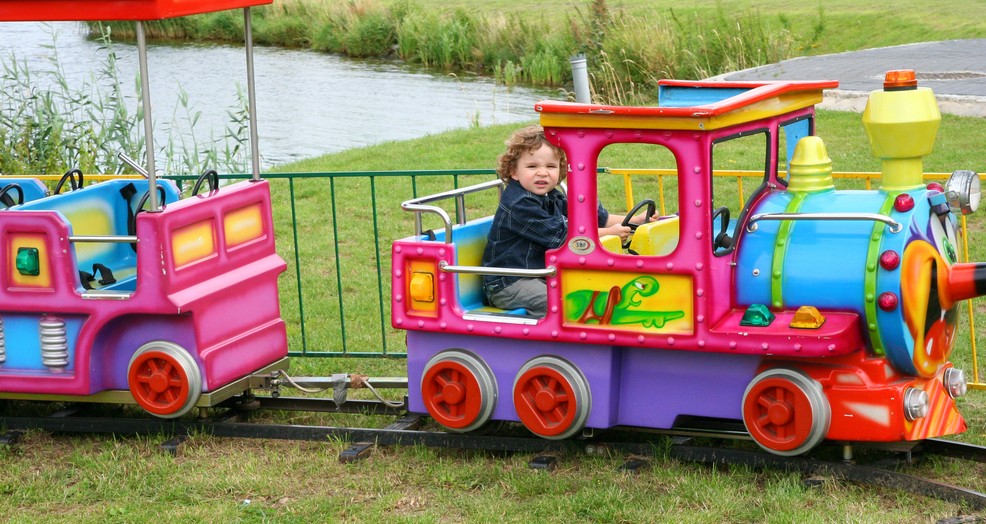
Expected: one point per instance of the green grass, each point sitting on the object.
(848, 25)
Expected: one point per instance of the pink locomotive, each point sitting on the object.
(809, 313)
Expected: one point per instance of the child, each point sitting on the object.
(532, 217)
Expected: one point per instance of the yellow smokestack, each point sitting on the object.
(901, 122)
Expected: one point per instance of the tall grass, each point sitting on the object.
(628, 51)
(49, 124)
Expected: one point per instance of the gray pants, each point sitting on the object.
(529, 293)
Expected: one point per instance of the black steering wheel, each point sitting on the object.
(722, 240)
(212, 176)
(132, 219)
(9, 201)
(69, 175)
(651, 209)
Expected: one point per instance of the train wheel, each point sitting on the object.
(164, 379)
(459, 390)
(785, 411)
(552, 397)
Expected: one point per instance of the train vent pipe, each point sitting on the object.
(580, 76)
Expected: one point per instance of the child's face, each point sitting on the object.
(538, 170)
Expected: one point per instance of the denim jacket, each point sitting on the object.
(524, 228)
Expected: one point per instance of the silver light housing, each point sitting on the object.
(955, 384)
(963, 191)
(915, 403)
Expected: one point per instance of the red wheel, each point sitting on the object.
(552, 398)
(458, 390)
(785, 411)
(164, 379)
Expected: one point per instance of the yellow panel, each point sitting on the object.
(16, 280)
(629, 301)
(243, 224)
(611, 243)
(656, 238)
(193, 242)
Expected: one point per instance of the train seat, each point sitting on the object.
(102, 210)
(470, 241)
(657, 238)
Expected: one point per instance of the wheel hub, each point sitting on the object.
(779, 413)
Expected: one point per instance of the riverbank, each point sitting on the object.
(630, 45)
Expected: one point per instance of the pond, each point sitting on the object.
(308, 103)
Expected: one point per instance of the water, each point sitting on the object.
(308, 103)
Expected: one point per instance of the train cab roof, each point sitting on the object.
(112, 10)
(701, 105)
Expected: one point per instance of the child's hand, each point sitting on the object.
(642, 218)
(619, 230)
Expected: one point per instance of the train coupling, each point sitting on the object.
(339, 384)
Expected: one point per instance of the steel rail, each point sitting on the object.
(403, 432)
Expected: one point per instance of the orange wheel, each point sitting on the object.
(785, 411)
(164, 379)
(552, 398)
(458, 390)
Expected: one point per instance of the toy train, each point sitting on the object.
(815, 314)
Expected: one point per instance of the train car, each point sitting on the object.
(808, 313)
(104, 301)
(15, 191)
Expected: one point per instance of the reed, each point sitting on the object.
(628, 51)
(49, 125)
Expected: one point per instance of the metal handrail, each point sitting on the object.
(895, 226)
(497, 271)
(417, 205)
(119, 239)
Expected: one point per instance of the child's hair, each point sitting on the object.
(530, 138)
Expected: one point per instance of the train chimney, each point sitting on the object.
(580, 77)
(901, 122)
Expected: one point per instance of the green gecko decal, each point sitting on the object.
(613, 307)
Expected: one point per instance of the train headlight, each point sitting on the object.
(955, 384)
(422, 288)
(963, 191)
(915, 403)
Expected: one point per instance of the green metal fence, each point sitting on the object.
(335, 231)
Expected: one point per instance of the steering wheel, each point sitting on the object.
(69, 175)
(722, 240)
(7, 200)
(212, 176)
(132, 219)
(651, 209)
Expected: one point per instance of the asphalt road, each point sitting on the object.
(954, 69)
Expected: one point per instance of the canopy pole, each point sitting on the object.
(251, 95)
(145, 97)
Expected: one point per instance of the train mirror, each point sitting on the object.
(963, 191)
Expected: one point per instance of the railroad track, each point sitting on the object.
(707, 443)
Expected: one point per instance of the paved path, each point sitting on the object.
(954, 69)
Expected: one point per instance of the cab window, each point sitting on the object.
(740, 168)
(643, 179)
